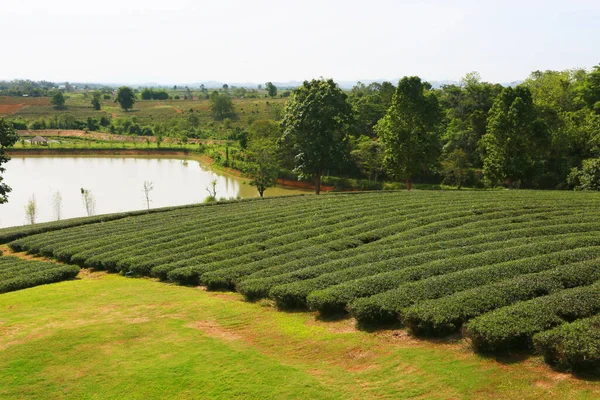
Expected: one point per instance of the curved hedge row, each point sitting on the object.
(446, 315)
(434, 260)
(370, 259)
(513, 327)
(574, 346)
(387, 306)
(16, 273)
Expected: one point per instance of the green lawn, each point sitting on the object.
(106, 336)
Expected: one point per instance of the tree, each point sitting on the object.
(96, 101)
(125, 98)
(225, 87)
(58, 100)
(8, 137)
(586, 178)
(513, 147)
(57, 205)
(212, 192)
(455, 166)
(368, 156)
(88, 202)
(148, 187)
(271, 89)
(221, 106)
(31, 210)
(315, 123)
(262, 154)
(409, 129)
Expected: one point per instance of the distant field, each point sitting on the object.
(146, 111)
(500, 267)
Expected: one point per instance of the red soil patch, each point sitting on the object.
(7, 109)
(177, 110)
(114, 115)
(303, 185)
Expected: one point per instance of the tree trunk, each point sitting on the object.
(408, 184)
(318, 183)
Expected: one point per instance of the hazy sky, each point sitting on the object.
(181, 41)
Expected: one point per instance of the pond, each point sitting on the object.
(115, 183)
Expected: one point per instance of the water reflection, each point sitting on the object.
(115, 182)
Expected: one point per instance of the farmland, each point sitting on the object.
(16, 274)
(145, 112)
(510, 270)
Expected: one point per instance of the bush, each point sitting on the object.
(447, 315)
(574, 346)
(513, 327)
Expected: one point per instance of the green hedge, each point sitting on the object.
(513, 327)
(574, 346)
(447, 315)
(16, 273)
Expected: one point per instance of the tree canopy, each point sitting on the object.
(58, 99)
(315, 122)
(514, 146)
(221, 106)
(271, 89)
(8, 137)
(125, 98)
(409, 129)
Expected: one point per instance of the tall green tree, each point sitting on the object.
(8, 137)
(96, 101)
(125, 98)
(514, 146)
(262, 154)
(409, 129)
(271, 89)
(221, 106)
(58, 100)
(368, 156)
(315, 123)
(370, 104)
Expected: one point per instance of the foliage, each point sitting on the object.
(31, 210)
(17, 274)
(221, 106)
(574, 346)
(315, 124)
(58, 100)
(513, 327)
(262, 155)
(409, 129)
(125, 98)
(586, 178)
(96, 104)
(271, 89)
(515, 144)
(368, 155)
(8, 137)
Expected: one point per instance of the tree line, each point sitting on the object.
(543, 133)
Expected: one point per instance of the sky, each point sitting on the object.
(140, 41)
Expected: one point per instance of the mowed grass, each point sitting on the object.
(111, 337)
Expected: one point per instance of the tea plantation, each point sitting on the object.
(511, 270)
(16, 273)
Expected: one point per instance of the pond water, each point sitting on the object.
(116, 184)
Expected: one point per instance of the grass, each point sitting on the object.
(106, 336)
